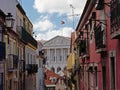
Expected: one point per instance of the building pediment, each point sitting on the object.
(57, 41)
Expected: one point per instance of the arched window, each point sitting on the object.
(58, 69)
(53, 69)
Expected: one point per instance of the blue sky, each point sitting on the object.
(46, 16)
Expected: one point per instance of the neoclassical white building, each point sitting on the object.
(56, 52)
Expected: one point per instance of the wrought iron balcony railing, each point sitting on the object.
(83, 48)
(12, 62)
(32, 68)
(115, 19)
(100, 39)
(26, 37)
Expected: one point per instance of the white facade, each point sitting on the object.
(56, 52)
(40, 73)
(30, 55)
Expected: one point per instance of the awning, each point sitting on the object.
(71, 61)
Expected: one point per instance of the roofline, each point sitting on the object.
(88, 7)
(20, 8)
(2, 13)
(55, 37)
(23, 12)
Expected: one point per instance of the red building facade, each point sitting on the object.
(98, 45)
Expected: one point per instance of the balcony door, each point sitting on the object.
(112, 73)
(1, 81)
(104, 77)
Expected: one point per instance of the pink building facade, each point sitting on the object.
(98, 45)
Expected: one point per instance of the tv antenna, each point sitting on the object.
(72, 15)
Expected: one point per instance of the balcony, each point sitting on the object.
(32, 68)
(100, 38)
(12, 62)
(26, 37)
(83, 48)
(115, 19)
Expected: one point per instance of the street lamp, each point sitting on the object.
(9, 21)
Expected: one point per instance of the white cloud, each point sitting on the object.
(43, 24)
(49, 8)
(66, 31)
(59, 6)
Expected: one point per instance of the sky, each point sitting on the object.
(47, 16)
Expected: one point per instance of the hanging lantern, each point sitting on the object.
(9, 21)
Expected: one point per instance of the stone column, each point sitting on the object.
(48, 56)
(61, 54)
(68, 51)
(55, 55)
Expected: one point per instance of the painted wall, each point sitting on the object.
(112, 50)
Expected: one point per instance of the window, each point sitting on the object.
(58, 69)
(96, 76)
(0, 33)
(21, 22)
(27, 59)
(53, 79)
(1, 81)
(54, 58)
(20, 53)
(104, 77)
(60, 58)
(24, 22)
(9, 84)
(53, 69)
(112, 72)
(31, 59)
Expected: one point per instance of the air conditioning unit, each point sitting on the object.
(99, 5)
